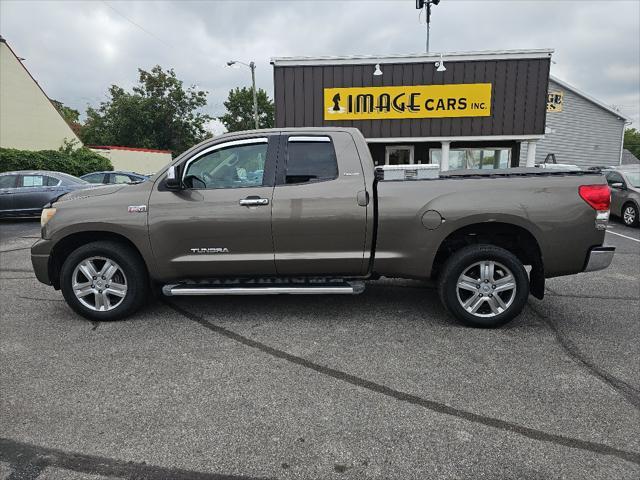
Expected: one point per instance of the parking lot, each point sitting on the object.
(381, 385)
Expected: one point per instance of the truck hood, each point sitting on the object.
(90, 192)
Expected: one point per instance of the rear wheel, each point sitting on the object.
(484, 285)
(104, 281)
(630, 215)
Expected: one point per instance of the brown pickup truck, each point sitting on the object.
(304, 211)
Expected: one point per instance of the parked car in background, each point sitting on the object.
(625, 193)
(24, 193)
(114, 177)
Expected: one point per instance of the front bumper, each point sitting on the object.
(40, 253)
(599, 258)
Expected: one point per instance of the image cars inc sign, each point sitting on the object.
(417, 101)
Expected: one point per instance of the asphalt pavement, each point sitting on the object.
(384, 385)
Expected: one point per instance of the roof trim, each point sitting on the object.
(412, 57)
(132, 149)
(586, 96)
(479, 138)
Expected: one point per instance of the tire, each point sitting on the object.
(483, 298)
(630, 215)
(119, 283)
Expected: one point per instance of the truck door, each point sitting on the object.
(220, 223)
(318, 226)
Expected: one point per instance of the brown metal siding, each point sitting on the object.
(518, 96)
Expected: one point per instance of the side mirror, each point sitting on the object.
(618, 185)
(172, 182)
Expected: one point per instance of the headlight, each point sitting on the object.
(47, 214)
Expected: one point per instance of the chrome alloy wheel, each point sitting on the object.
(99, 284)
(486, 289)
(629, 215)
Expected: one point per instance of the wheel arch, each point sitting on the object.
(514, 238)
(68, 244)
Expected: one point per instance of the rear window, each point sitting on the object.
(8, 181)
(311, 159)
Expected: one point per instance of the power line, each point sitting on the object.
(137, 25)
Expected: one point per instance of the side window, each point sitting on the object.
(236, 166)
(32, 181)
(310, 159)
(51, 181)
(8, 181)
(613, 177)
(119, 178)
(94, 178)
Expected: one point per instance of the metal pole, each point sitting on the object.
(428, 23)
(252, 65)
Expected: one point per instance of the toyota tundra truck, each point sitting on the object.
(304, 211)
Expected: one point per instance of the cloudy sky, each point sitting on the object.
(77, 49)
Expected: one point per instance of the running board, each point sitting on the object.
(266, 287)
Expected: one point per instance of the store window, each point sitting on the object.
(398, 155)
(474, 158)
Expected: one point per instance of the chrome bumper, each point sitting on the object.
(599, 258)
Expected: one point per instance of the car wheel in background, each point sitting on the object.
(104, 281)
(483, 285)
(630, 215)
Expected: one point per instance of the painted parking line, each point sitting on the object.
(623, 236)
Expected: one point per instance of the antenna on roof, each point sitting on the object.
(426, 4)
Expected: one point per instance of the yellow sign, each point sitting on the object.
(554, 101)
(419, 101)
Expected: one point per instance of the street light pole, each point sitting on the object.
(252, 66)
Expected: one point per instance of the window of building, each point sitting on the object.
(398, 155)
(474, 158)
(311, 159)
(233, 167)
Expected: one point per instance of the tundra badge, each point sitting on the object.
(137, 208)
(210, 250)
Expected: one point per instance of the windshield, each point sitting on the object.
(633, 178)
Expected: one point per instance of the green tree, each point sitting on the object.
(632, 141)
(158, 113)
(239, 107)
(71, 115)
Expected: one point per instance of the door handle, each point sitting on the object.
(254, 201)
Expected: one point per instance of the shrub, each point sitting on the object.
(75, 162)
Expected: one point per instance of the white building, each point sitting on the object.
(580, 129)
(28, 119)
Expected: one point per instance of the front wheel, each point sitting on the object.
(104, 281)
(630, 215)
(484, 285)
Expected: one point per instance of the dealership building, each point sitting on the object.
(459, 110)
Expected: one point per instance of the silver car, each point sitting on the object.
(625, 193)
(25, 192)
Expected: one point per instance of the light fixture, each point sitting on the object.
(377, 72)
(440, 65)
